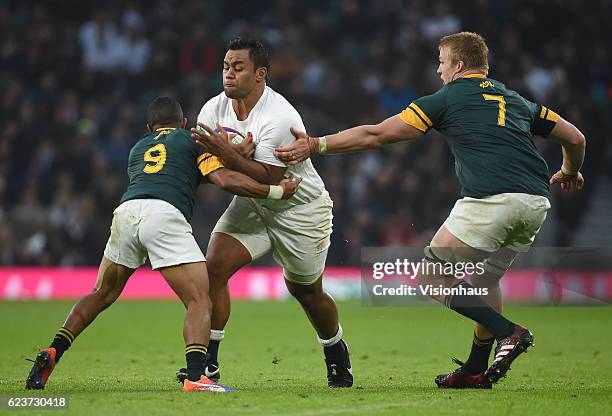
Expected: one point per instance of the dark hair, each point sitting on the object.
(164, 110)
(257, 51)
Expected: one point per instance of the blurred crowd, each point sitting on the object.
(76, 77)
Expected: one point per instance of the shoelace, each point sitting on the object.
(458, 362)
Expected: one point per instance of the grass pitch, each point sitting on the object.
(125, 362)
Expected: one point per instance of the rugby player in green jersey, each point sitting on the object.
(165, 168)
(504, 189)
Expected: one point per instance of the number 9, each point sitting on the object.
(158, 161)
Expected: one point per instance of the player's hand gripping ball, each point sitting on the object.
(234, 135)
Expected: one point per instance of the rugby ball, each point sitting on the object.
(238, 137)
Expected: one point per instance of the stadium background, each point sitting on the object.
(75, 81)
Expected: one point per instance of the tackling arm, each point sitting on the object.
(217, 143)
(358, 138)
(261, 172)
(242, 185)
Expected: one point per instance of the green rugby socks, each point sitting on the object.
(478, 361)
(475, 308)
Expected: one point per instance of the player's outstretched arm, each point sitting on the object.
(358, 138)
(240, 184)
(574, 145)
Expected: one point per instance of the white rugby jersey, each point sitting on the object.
(269, 123)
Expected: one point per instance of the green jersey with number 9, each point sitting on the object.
(167, 164)
(489, 130)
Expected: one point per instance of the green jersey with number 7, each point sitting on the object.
(489, 130)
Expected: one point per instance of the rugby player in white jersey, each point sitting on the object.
(297, 230)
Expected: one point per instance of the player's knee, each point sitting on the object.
(485, 281)
(106, 294)
(199, 303)
(438, 254)
(110, 285)
(219, 271)
(195, 297)
(493, 270)
(299, 292)
(202, 303)
(434, 257)
(105, 297)
(305, 293)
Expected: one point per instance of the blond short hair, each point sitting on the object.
(468, 47)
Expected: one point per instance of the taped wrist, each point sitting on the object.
(567, 172)
(275, 192)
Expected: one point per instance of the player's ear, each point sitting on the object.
(260, 74)
(184, 123)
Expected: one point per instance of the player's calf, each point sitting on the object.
(323, 314)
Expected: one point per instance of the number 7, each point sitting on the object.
(501, 116)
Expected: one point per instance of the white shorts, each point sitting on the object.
(509, 220)
(299, 236)
(153, 227)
